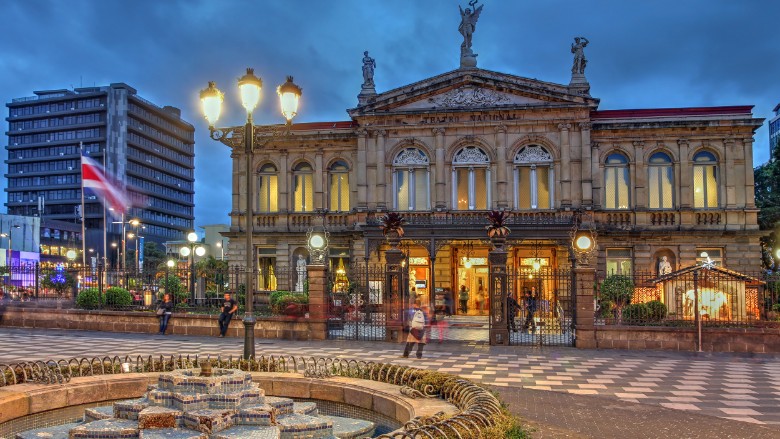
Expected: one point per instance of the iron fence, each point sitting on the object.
(717, 297)
(357, 301)
(544, 314)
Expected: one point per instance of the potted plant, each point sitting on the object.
(497, 230)
(392, 226)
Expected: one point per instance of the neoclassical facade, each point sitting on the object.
(445, 150)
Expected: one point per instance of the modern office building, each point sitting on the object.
(147, 149)
(774, 131)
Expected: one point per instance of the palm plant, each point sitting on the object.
(497, 227)
(392, 222)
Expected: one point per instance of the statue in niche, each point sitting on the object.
(300, 269)
(578, 49)
(664, 267)
(369, 64)
(468, 24)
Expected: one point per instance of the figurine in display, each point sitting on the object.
(300, 269)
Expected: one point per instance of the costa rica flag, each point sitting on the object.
(93, 177)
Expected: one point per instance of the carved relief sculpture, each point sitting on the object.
(469, 97)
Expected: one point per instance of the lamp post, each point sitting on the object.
(8, 235)
(168, 266)
(115, 246)
(221, 245)
(250, 138)
(191, 250)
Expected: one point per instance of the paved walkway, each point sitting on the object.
(564, 392)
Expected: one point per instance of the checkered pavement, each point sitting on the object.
(741, 388)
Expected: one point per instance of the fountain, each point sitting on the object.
(210, 404)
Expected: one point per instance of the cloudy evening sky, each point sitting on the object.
(657, 53)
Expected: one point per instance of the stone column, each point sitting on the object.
(584, 282)
(282, 180)
(501, 174)
(565, 165)
(685, 177)
(638, 177)
(497, 290)
(318, 301)
(319, 173)
(441, 193)
(587, 171)
(729, 173)
(596, 175)
(750, 184)
(381, 173)
(362, 182)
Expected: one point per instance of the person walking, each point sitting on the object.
(511, 308)
(229, 308)
(417, 330)
(463, 297)
(530, 309)
(164, 312)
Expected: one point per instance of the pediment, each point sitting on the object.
(472, 89)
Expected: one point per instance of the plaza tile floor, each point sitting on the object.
(729, 387)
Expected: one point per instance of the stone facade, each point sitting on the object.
(445, 150)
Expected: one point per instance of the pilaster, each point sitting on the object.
(362, 183)
(750, 184)
(565, 165)
(584, 284)
(282, 180)
(441, 197)
(685, 177)
(319, 199)
(587, 165)
(638, 176)
(381, 172)
(502, 201)
(729, 173)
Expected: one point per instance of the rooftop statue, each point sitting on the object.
(578, 49)
(468, 24)
(369, 64)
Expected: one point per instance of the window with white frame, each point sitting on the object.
(303, 189)
(267, 189)
(619, 261)
(339, 187)
(533, 178)
(616, 182)
(471, 179)
(705, 180)
(661, 181)
(411, 180)
(704, 255)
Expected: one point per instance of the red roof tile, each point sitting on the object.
(671, 112)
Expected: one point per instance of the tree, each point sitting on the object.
(59, 281)
(154, 256)
(213, 271)
(767, 184)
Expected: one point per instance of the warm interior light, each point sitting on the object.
(778, 253)
(250, 86)
(537, 265)
(170, 263)
(211, 102)
(184, 251)
(704, 254)
(200, 251)
(289, 96)
(583, 242)
(316, 241)
(71, 254)
(192, 237)
(467, 264)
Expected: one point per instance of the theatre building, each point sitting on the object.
(673, 182)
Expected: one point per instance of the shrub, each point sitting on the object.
(617, 289)
(776, 307)
(636, 312)
(89, 299)
(290, 303)
(116, 296)
(605, 311)
(656, 310)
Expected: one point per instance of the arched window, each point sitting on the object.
(411, 180)
(533, 178)
(705, 180)
(303, 188)
(661, 181)
(471, 179)
(267, 189)
(616, 182)
(339, 187)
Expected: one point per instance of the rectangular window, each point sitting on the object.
(524, 188)
(304, 193)
(542, 188)
(266, 269)
(705, 186)
(619, 261)
(268, 194)
(420, 189)
(402, 189)
(462, 177)
(480, 194)
(339, 192)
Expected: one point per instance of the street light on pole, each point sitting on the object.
(250, 138)
(221, 245)
(191, 250)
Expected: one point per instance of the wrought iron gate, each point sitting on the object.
(357, 301)
(545, 315)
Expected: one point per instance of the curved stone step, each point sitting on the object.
(256, 415)
(208, 421)
(106, 429)
(97, 413)
(283, 406)
(349, 428)
(171, 433)
(58, 432)
(296, 426)
(305, 408)
(248, 432)
(130, 408)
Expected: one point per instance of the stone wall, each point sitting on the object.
(287, 328)
(753, 340)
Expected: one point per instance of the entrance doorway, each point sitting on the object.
(471, 280)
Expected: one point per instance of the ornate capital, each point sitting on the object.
(501, 129)
(379, 133)
(638, 144)
(438, 131)
(585, 126)
(564, 126)
(283, 151)
(728, 140)
(362, 132)
(594, 145)
(682, 142)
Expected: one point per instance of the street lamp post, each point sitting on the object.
(8, 235)
(168, 266)
(191, 250)
(115, 246)
(250, 138)
(221, 245)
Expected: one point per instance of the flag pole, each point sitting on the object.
(83, 211)
(105, 224)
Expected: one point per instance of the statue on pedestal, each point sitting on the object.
(468, 24)
(300, 269)
(578, 49)
(369, 64)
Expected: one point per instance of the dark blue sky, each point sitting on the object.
(656, 53)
